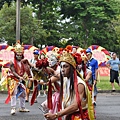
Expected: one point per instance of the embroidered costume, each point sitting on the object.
(20, 72)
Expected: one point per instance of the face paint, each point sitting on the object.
(19, 56)
(52, 61)
(89, 55)
(65, 69)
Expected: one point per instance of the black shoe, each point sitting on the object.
(113, 90)
(94, 104)
(26, 101)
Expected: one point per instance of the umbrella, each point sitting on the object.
(47, 49)
(100, 54)
(6, 47)
(28, 51)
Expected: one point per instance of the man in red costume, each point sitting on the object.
(20, 69)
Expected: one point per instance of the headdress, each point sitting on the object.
(67, 57)
(18, 47)
(83, 55)
(68, 48)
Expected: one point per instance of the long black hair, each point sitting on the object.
(71, 83)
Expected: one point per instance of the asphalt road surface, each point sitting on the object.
(108, 108)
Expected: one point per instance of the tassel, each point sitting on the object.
(90, 105)
(34, 92)
(8, 98)
(77, 94)
(50, 106)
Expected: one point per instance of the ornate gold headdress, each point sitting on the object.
(18, 47)
(67, 57)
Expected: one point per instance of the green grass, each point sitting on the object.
(104, 84)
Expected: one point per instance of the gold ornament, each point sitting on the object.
(18, 48)
(67, 57)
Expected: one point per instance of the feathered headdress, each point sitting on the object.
(18, 47)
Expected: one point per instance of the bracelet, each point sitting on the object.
(56, 115)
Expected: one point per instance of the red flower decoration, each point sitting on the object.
(42, 63)
(77, 58)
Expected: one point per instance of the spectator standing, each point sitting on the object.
(113, 65)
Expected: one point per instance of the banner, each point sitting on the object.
(100, 54)
(28, 54)
(6, 55)
(104, 71)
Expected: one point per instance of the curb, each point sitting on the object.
(108, 91)
(99, 91)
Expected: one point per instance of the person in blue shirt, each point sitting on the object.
(113, 65)
(92, 64)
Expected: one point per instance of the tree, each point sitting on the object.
(90, 21)
(2, 2)
(47, 12)
(7, 23)
(31, 28)
(87, 22)
(116, 24)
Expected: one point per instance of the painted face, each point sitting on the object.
(65, 69)
(52, 61)
(19, 56)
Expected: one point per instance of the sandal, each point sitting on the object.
(24, 110)
(35, 101)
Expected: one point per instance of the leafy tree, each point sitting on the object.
(31, 29)
(7, 23)
(90, 21)
(47, 12)
(2, 2)
(116, 24)
(87, 22)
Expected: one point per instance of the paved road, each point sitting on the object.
(108, 108)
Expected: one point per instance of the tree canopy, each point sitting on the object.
(87, 22)
(32, 31)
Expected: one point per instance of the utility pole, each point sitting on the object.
(17, 20)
